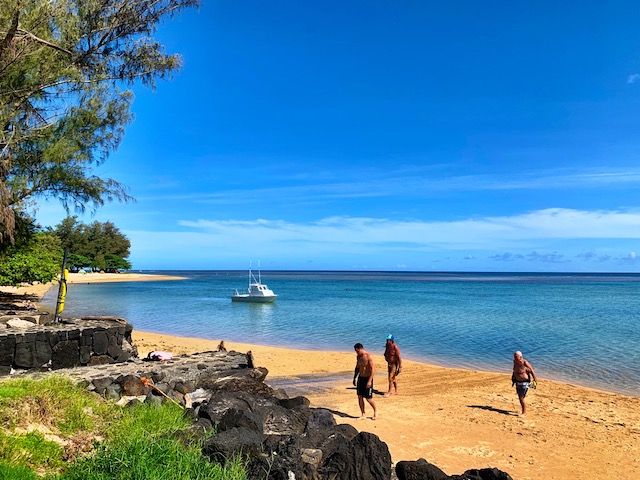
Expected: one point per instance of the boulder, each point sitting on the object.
(482, 474)
(220, 402)
(19, 324)
(281, 459)
(319, 419)
(365, 457)
(225, 445)
(132, 386)
(294, 402)
(419, 470)
(235, 417)
(245, 380)
(330, 439)
(99, 360)
(277, 420)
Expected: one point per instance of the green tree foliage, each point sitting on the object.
(38, 260)
(65, 70)
(99, 246)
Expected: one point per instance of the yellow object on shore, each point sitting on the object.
(63, 290)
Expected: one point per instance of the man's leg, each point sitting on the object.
(390, 380)
(523, 405)
(375, 410)
(361, 403)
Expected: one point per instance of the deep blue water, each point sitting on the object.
(582, 329)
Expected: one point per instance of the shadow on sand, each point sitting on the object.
(341, 414)
(493, 409)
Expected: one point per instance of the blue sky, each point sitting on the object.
(377, 135)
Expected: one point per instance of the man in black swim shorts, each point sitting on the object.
(364, 372)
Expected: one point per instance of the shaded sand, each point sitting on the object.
(459, 419)
(28, 292)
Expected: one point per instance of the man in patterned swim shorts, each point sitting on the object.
(521, 377)
(364, 371)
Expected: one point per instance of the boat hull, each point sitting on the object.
(253, 298)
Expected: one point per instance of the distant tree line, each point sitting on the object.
(96, 247)
(36, 255)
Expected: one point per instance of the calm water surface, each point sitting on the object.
(582, 329)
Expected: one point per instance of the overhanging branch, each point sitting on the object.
(41, 41)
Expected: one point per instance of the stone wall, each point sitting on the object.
(69, 343)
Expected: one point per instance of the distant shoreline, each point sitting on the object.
(95, 277)
(38, 290)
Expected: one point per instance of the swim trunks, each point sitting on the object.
(393, 371)
(362, 389)
(522, 388)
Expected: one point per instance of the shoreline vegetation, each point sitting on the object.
(456, 419)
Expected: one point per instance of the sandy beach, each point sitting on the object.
(118, 277)
(456, 419)
(459, 419)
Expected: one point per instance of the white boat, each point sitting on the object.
(257, 292)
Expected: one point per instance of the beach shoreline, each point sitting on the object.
(455, 418)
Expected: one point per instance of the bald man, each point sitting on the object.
(522, 378)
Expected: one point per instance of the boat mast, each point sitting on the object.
(259, 276)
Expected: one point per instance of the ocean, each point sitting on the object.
(582, 329)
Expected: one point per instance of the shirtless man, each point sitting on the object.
(394, 364)
(364, 372)
(522, 375)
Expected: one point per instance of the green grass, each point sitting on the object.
(16, 472)
(134, 443)
(30, 449)
(24, 401)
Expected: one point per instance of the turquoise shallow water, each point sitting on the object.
(582, 329)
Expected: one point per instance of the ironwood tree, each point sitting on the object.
(66, 69)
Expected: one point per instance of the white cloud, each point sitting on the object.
(526, 238)
(633, 78)
(479, 233)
